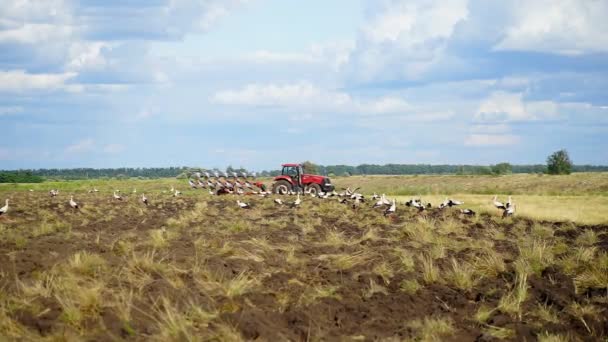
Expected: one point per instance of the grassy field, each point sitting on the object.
(197, 267)
(579, 197)
(517, 184)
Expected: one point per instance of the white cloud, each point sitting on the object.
(557, 26)
(88, 55)
(19, 80)
(505, 106)
(411, 23)
(403, 39)
(35, 33)
(306, 96)
(491, 140)
(81, 146)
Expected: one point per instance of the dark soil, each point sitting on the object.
(260, 315)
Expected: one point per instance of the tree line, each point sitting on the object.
(557, 163)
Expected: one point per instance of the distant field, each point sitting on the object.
(518, 184)
(579, 197)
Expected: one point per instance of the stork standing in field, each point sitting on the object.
(117, 196)
(53, 192)
(509, 203)
(467, 212)
(73, 204)
(297, 202)
(177, 193)
(391, 209)
(243, 205)
(509, 211)
(497, 204)
(4, 209)
(144, 199)
(450, 203)
(379, 203)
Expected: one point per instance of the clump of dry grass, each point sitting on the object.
(433, 328)
(345, 261)
(537, 254)
(511, 302)
(410, 286)
(430, 272)
(489, 265)
(462, 275)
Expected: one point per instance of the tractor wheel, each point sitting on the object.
(281, 187)
(314, 189)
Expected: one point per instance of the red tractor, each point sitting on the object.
(293, 178)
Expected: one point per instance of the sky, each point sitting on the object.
(257, 83)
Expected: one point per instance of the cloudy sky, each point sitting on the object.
(254, 83)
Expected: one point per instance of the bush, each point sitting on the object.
(502, 169)
(310, 167)
(559, 163)
(19, 177)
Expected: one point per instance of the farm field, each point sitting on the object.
(197, 267)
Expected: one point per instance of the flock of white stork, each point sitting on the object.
(355, 199)
(244, 187)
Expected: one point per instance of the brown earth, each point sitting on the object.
(217, 236)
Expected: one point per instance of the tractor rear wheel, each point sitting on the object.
(281, 187)
(314, 189)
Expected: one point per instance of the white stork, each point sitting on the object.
(391, 209)
(453, 203)
(509, 211)
(297, 202)
(385, 201)
(509, 203)
(356, 203)
(467, 212)
(497, 204)
(73, 204)
(243, 205)
(144, 199)
(378, 204)
(177, 193)
(4, 209)
(117, 196)
(278, 201)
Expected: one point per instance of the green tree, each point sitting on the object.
(559, 163)
(310, 167)
(502, 169)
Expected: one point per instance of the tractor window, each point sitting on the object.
(290, 171)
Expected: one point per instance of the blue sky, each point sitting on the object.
(255, 83)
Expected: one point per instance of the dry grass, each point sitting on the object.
(199, 268)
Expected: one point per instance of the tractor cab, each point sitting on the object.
(294, 171)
